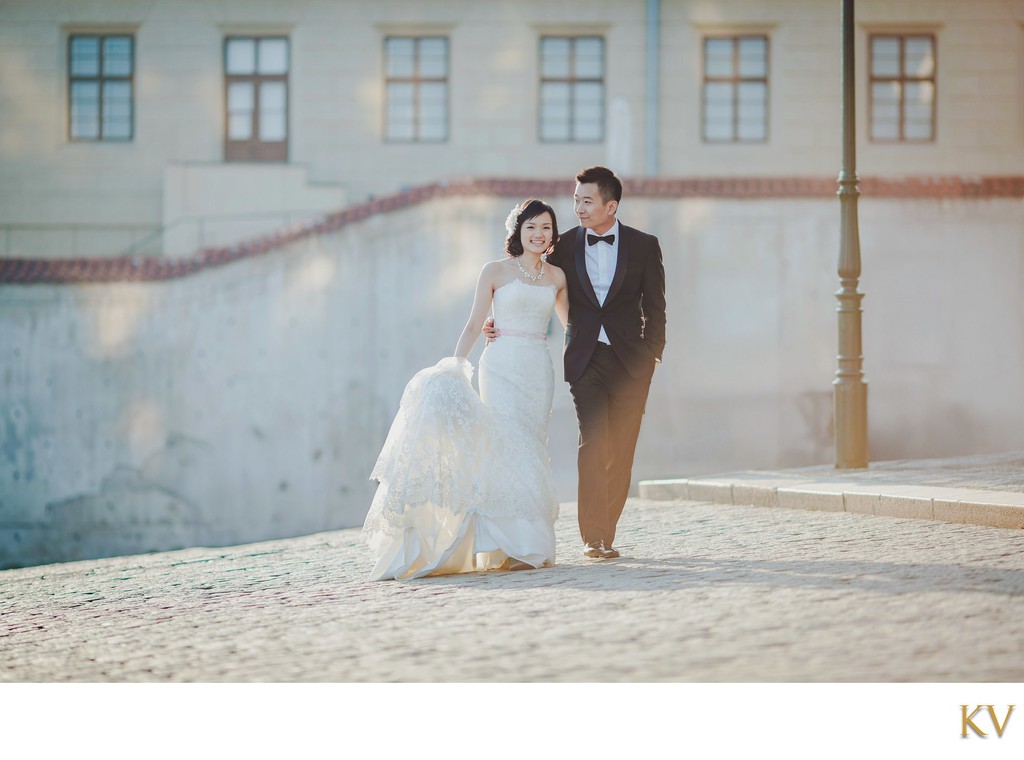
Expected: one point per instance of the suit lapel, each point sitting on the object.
(580, 254)
(620, 262)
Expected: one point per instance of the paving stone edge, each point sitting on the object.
(954, 505)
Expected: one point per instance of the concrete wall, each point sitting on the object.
(59, 198)
(203, 207)
(250, 401)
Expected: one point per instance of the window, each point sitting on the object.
(256, 92)
(902, 87)
(735, 89)
(100, 87)
(571, 89)
(417, 89)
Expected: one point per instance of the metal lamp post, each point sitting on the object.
(850, 392)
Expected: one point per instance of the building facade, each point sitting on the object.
(230, 232)
(160, 128)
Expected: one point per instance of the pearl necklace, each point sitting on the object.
(533, 277)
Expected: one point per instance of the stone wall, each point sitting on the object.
(249, 401)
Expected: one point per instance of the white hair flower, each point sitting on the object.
(513, 217)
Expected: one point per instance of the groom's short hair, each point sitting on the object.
(607, 183)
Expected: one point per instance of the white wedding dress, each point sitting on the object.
(465, 479)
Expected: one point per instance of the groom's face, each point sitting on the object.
(592, 210)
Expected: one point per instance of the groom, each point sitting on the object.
(613, 341)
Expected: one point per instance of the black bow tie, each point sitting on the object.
(593, 239)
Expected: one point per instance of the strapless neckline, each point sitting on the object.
(525, 284)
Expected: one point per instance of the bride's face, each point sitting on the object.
(537, 233)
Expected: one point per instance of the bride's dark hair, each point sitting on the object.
(528, 209)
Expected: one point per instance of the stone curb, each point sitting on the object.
(996, 509)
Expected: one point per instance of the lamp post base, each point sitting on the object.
(850, 400)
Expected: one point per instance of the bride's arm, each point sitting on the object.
(477, 315)
(562, 303)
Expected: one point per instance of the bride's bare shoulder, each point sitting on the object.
(496, 265)
(557, 274)
(497, 272)
(493, 268)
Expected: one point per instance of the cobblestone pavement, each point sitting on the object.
(703, 592)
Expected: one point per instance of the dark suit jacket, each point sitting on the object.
(633, 313)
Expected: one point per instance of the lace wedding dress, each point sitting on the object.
(465, 479)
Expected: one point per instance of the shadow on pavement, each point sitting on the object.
(676, 573)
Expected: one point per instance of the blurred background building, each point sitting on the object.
(230, 232)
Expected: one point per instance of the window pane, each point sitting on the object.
(434, 57)
(751, 131)
(241, 102)
(433, 131)
(917, 130)
(588, 105)
(272, 96)
(589, 58)
(85, 110)
(117, 56)
(400, 60)
(240, 97)
(434, 94)
(401, 128)
(85, 56)
(241, 56)
(433, 116)
(588, 112)
(273, 57)
(885, 111)
(718, 111)
(920, 62)
(555, 97)
(885, 56)
(752, 94)
(554, 57)
(554, 130)
(753, 112)
(884, 130)
(920, 95)
(554, 111)
(753, 57)
(272, 126)
(717, 131)
(400, 94)
(918, 109)
(401, 111)
(117, 110)
(273, 111)
(718, 58)
(240, 126)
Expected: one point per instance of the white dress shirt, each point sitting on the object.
(601, 260)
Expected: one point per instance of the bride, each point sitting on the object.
(465, 480)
